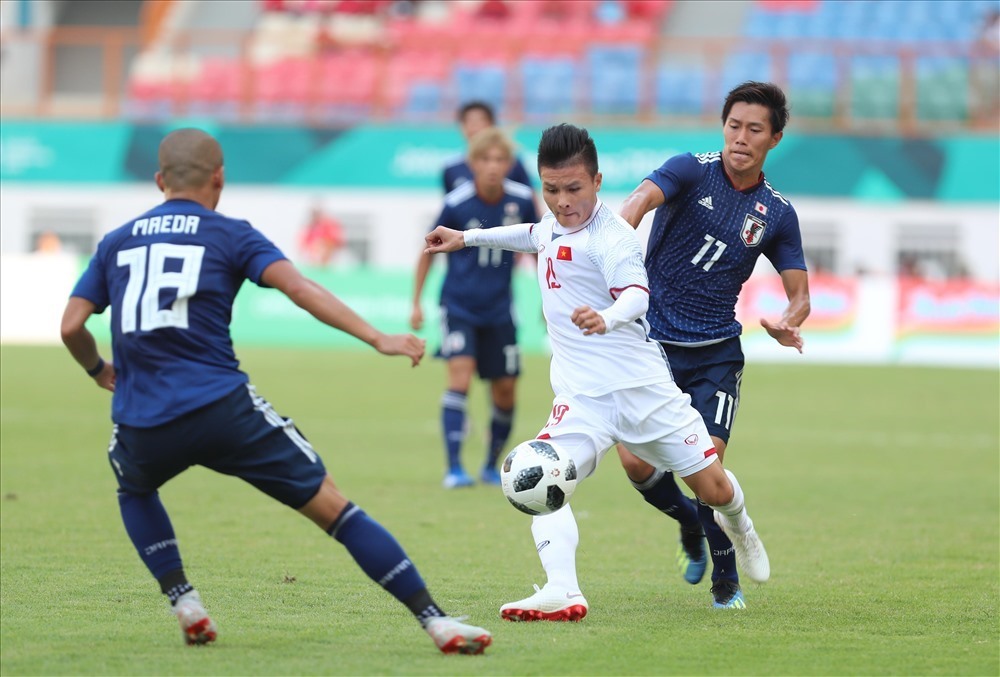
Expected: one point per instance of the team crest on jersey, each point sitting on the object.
(511, 214)
(753, 230)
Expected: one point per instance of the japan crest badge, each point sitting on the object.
(753, 230)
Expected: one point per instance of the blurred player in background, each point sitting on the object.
(474, 117)
(611, 382)
(715, 215)
(170, 277)
(478, 333)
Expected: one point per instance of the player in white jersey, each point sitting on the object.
(611, 382)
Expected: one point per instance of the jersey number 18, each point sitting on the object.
(147, 266)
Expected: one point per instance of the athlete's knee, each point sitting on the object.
(326, 506)
(637, 469)
(717, 491)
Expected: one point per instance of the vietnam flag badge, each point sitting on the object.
(564, 254)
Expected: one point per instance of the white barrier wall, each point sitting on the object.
(872, 318)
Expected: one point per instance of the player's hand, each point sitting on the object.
(784, 334)
(589, 320)
(106, 378)
(417, 317)
(401, 344)
(443, 239)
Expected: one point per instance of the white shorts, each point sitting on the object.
(657, 423)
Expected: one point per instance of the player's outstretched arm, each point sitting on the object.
(330, 310)
(81, 344)
(646, 197)
(786, 330)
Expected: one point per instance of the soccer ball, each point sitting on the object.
(538, 477)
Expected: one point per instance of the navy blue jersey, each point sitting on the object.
(458, 171)
(170, 277)
(476, 287)
(704, 244)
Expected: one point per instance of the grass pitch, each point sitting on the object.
(875, 490)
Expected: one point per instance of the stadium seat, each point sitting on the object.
(487, 82)
(680, 90)
(942, 89)
(875, 82)
(742, 66)
(613, 74)
(545, 83)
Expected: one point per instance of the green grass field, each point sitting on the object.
(876, 491)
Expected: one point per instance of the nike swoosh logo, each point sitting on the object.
(571, 595)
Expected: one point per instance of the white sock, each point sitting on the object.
(556, 537)
(735, 511)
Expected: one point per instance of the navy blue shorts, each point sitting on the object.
(494, 347)
(711, 375)
(238, 435)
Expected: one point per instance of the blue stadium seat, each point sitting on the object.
(481, 82)
(742, 66)
(614, 73)
(423, 99)
(680, 90)
(545, 83)
(812, 70)
(875, 87)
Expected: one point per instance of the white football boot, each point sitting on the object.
(451, 635)
(547, 604)
(751, 558)
(196, 626)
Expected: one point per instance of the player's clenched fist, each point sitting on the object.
(589, 320)
(443, 239)
(401, 344)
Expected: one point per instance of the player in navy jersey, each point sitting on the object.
(474, 117)
(715, 215)
(170, 277)
(478, 330)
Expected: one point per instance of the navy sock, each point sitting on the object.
(175, 584)
(661, 492)
(719, 546)
(423, 607)
(148, 525)
(453, 423)
(500, 426)
(377, 553)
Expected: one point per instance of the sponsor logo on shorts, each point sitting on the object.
(691, 440)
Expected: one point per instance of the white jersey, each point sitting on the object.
(589, 266)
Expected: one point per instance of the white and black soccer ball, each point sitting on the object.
(538, 477)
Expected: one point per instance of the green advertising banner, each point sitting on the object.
(960, 168)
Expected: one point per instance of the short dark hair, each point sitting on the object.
(470, 106)
(766, 94)
(566, 144)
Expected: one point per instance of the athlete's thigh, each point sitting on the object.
(658, 424)
(582, 427)
(712, 376)
(144, 459)
(497, 354)
(267, 450)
